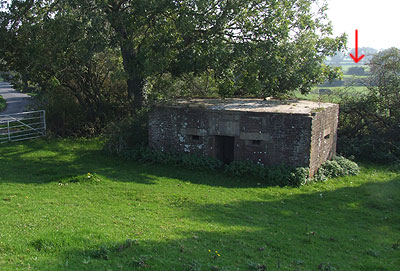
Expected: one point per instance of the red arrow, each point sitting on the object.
(356, 58)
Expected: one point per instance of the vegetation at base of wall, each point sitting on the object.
(273, 176)
(191, 161)
(339, 166)
(280, 175)
(2, 103)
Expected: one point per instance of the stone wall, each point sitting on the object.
(324, 136)
(264, 137)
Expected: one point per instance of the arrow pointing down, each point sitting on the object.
(356, 58)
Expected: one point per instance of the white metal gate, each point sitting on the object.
(22, 126)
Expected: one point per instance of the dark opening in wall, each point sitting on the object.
(327, 136)
(256, 142)
(224, 148)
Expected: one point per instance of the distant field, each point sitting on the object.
(330, 94)
(348, 76)
(331, 91)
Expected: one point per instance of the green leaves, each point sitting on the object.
(258, 48)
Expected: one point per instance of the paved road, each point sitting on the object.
(16, 101)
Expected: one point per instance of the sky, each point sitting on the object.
(377, 21)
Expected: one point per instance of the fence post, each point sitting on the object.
(44, 122)
(8, 130)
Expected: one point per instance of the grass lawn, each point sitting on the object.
(128, 216)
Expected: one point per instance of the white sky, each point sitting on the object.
(377, 21)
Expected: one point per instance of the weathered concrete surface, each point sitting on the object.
(256, 105)
(16, 101)
(292, 133)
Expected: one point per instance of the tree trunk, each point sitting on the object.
(135, 79)
(135, 92)
(131, 63)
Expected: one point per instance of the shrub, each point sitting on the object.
(279, 176)
(282, 176)
(369, 124)
(332, 169)
(2, 103)
(349, 167)
(190, 161)
(300, 176)
(274, 176)
(338, 167)
(69, 114)
(193, 161)
(128, 135)
(64, 116)
(246, 168)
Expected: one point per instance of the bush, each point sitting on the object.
(128, 135)
(369, 124)
(300, 176)
(190, 161)
(282, 176)
(246, 168)
(64, 116)
(274, 176)
(348, 167)
(2, 103)
(338, 167)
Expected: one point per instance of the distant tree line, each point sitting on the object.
(342, 57)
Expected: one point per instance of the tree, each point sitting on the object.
(367, 51)
(337, 59)
(252, 47)
(68, 60)
(372, 122)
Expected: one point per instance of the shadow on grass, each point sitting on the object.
(352, 228)
(42, 162)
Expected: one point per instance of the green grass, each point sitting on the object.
(353, 77)
(2, 103)
(334, 96)
(129, 216)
